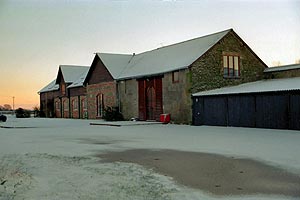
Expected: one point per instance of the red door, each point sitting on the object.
(150, 103)
(150, 98)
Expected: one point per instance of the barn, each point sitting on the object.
(273, 103)
(47, 95)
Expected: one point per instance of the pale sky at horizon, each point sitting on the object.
(37, 36)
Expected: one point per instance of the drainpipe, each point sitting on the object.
(69, 99)
(61, 107)
(79, 107)
(118, 96)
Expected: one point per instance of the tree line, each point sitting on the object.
(5, 107)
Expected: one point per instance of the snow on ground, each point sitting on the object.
(55, 158)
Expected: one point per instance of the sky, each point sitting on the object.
(37, 36)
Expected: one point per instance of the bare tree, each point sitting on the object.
(7, 107)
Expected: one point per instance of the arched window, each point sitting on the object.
(74, 104)
(57, 105)
(100, 105)
(66, 105)
(83, 104)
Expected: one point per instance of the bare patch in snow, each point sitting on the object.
(213, 173)
(46, 176)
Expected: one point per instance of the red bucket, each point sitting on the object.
(165, 118)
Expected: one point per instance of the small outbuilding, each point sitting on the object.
(273, 103)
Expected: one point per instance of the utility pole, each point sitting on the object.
(13, 103)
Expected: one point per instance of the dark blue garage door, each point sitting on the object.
(295, 112)
(215, 111)
(241, 111)
(272, 111)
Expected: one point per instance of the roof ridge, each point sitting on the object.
(73, 66)
(121, 54)
(289, 65)
(189, 40)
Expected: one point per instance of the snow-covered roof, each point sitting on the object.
(50, 87)
(72, 72)
(165, 59)
(282, 68)
(268, 85)
(115, 63)
(80, 79)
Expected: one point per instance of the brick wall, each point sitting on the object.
(65, 107)
(47, 103)
(108, 89)
(83, 108)
(128, 91)
(57, 107)
(79, 111)
(207, 72)
(74, 107)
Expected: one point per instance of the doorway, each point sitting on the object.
(150, 103)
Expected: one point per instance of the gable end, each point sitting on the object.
(98, 72)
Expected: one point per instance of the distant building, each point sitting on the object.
(47, 95)
(285, 71)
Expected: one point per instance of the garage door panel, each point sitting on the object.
(272, 111)
(295, 112)
(241, 111)
(215, 111)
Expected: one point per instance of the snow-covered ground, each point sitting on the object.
(56, 158)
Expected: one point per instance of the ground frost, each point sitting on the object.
(63, 177)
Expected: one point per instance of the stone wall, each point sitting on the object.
(207, 71)
(177, 98)
(108, 89)
(128, 95)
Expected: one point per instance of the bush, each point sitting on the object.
(21, 113)
(37, 112)
(112, 114)
(3, 118)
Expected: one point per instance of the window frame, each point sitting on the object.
(66, 105)
(74, 104)
(231, 65)
(84, 104)
(57, 105)
(100, 105)
(174, 79)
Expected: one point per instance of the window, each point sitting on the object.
(175, 77)
(57, 105)
(66, 106)
(74, 104)
(100, 105)
(83, 104)
(231, 66)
